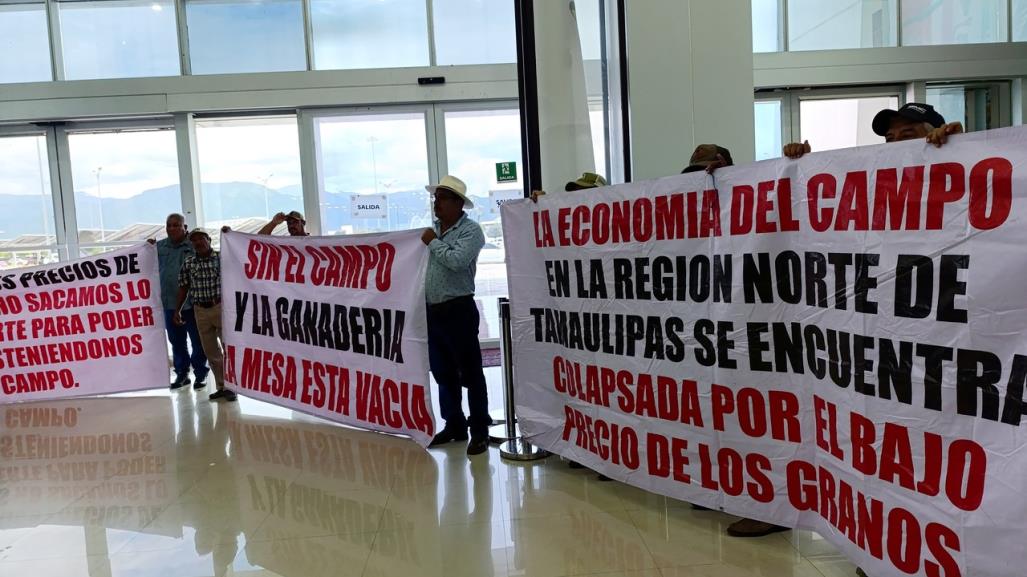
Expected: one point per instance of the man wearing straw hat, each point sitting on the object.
(453, 350)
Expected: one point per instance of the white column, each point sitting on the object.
(690, 70)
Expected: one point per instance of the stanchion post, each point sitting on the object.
(516, 449)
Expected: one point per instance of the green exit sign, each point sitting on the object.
(506, 172)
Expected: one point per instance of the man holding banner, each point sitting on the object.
(200, 280)
(171, 253)
(453, 349)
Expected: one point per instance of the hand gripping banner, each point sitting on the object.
(331, 326)
(834, 343)
(90, 326)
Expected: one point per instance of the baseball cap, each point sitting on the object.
(198, 232)
(705, 155)
(587, 180)
(295, 215)
(915, 111)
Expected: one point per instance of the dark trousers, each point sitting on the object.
(177, 336)
(455, 358)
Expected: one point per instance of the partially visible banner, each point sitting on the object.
(331, 326)
(91, 326)
(836, 343)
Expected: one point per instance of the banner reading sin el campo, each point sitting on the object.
(332, 326)
(834, 343)
(90, 326)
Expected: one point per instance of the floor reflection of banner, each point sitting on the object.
(339, 485)
(88, 462)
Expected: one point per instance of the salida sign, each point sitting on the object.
(320, 325)
(369, 206)
(833, 343)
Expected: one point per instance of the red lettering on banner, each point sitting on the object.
(268, 372)
(348, 266)
(752, 412)
(608, 441)
(958, 469)
(894, 200)
(897, 206)
(58, 326)
(386, 403)
(325, 387)
(37, 382)
(895, 535)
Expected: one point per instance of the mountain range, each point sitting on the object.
(20, 214)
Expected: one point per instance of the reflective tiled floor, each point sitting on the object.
(169, 484)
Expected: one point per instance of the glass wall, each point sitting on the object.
(27, 226)
(100, 39)
(249, 171)
(369, 33)
(373, 170)
(126, 184)
(832, 24)
(829, 124)
(976, 105)
(118, 38)
(768, 129)
(245, 36)
(474, 31)
(24, 45)
(839, 24)
(934, 22)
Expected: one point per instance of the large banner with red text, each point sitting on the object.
(835, 343)
(90, 326)
(331, 326)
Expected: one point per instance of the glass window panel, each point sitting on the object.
(842, 122)
(249, 171)
(766, 25)
(118, 39)
(11, 259)
(475, 142)
(835, 24)
(26, 201)
(228, 36)
(374, 154)
(1020, 20)
(350, 34)
(597, 123)
(126, 184)
(953, 22)
(973, 105)
(768, 129)
(477, 31)
(24, 43)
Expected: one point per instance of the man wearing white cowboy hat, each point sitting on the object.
(453, 350)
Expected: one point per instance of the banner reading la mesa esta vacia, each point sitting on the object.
(90, 326)
(331, 326)
(834, 343)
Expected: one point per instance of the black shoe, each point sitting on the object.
(448, 436)
(478, 445)
(180, 382)
(603, 477)
(199, 384)
(217, 395)
(699, 507)
(230, 396)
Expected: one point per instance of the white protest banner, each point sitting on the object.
(90, 326)
(834, 343)
(331, 326)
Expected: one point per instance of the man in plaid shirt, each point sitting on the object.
(200, 280)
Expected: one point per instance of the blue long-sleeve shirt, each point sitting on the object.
(170, 257)
(453, 261)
